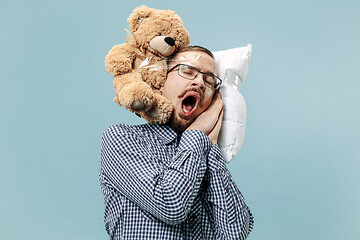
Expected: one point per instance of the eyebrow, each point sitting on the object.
(208, 72)
(201, 70)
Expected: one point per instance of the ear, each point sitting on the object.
(138, 15)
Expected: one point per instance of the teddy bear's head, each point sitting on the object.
(161, 32)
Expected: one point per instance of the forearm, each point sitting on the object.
(166, 193)
(231, 218)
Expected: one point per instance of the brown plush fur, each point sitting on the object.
(140, 70)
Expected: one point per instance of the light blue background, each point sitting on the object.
(299, 165)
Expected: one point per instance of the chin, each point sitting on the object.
(179, 123)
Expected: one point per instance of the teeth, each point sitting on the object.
(185, 110)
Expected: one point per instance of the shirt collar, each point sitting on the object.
(163, 132)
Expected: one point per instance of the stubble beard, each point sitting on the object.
(179, 123)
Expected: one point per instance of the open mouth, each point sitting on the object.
(190, 103)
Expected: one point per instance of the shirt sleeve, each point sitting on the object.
(229, 215)
(166, 193)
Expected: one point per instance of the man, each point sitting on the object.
(170, 181)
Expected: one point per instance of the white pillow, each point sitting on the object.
(232, 65)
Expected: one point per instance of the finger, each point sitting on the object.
(219, 121)
(219, 105)
(221, 114)
(217, 97)
(214, 134)
(216, 104)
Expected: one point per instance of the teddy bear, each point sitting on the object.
(139, 65)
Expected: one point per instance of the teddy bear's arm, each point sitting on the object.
(120, 59)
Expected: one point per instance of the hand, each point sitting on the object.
(214, 134)
(208, 122)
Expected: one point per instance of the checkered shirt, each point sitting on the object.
(158, 184)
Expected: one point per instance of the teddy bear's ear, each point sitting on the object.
(138, 15)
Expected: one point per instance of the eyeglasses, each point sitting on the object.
(189, 72)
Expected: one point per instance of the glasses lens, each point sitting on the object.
(209, 80)
(187, 72)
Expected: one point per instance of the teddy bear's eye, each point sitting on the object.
(139, 20)
(159, 33)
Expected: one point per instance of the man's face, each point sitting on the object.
(189, 97)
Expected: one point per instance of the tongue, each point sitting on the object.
(188, 106)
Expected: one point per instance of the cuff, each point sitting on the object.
(216, 160)
(196, 141)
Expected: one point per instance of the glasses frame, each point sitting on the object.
(217, 85)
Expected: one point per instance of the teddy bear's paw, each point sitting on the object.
(135, 104)
(155, 115)
(136, 97)
(154, 112)
(160, 112)
(138, 105)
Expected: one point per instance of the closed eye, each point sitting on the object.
(188, 70)
(210, 79)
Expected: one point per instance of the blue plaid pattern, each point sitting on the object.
(161, 185)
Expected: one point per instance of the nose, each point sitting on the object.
(198, 82)
(170, 41)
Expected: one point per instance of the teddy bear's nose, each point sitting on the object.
(170, 41)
